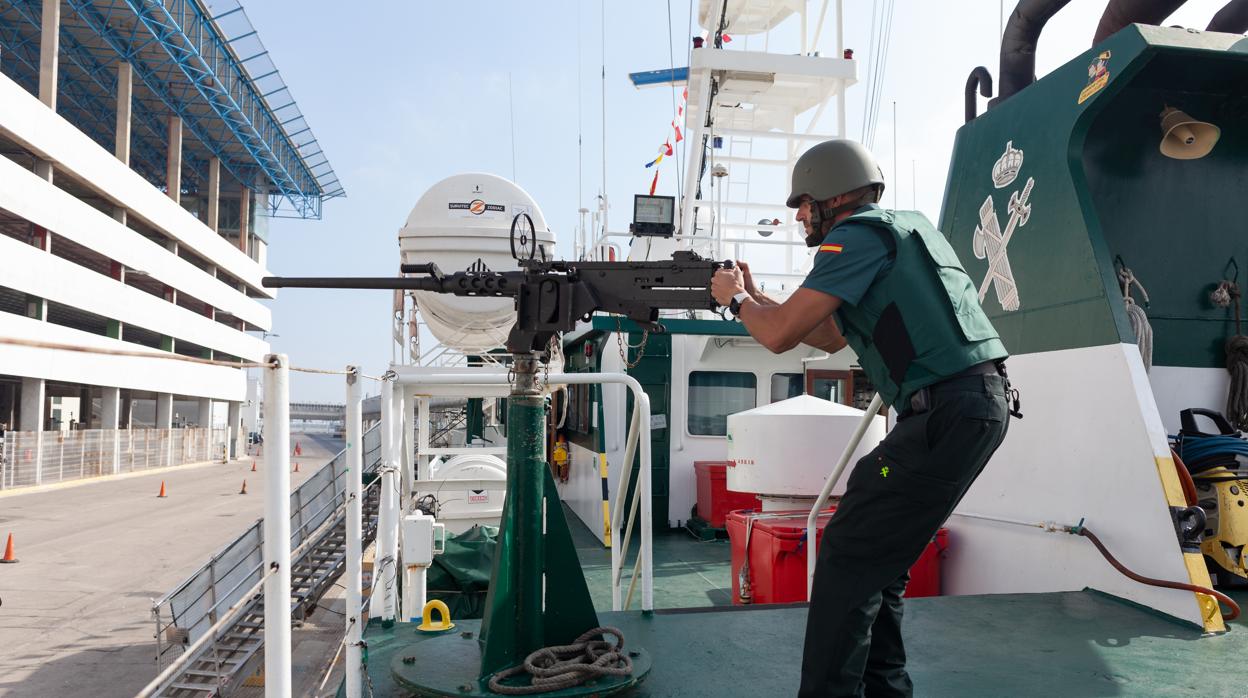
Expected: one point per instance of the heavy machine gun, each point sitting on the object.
(552, 296)
(535, 547)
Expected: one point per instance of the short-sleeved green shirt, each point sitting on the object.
(850, 259)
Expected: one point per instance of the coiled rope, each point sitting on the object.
(564, 666)
(1225, 295)
(1139, 319)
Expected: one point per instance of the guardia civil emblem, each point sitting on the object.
(989, 241)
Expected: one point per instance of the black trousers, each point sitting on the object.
(896, 499)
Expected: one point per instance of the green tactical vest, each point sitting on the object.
(921, 322)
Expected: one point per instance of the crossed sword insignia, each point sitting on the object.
(989, 242)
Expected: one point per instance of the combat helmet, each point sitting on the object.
(831, 168)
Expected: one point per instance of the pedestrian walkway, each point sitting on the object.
(75, 612)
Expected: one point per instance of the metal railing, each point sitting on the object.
(195, 606)
(29, 458)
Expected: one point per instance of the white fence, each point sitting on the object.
(30, 458)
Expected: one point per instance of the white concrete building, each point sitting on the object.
(143, 150)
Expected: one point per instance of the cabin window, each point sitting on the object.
(786, 385)
(580, 406)
(713, 395)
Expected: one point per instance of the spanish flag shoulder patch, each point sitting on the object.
(831, 248)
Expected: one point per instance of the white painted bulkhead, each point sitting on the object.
(1086, 449)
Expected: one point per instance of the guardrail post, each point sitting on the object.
(355, 534)
(277, 671)
(384, 602)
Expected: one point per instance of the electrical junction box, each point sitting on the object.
(423, 538)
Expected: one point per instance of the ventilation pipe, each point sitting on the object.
(1120, 13)
(1232, 18)
(979, 79)
(1018, 45)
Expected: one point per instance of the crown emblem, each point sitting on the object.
(1006, 169)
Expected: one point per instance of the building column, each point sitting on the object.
(84, 407)
(164, 424)
(234, 421)
(244, 219)
(205, 413)
(127, 410)
(125, 89)
(164, 410)
(34, 394)
(214, 194)
(110, 418)
(173, 166)
(117, 271)
(49, 52)
(49, 49)
(121, 139)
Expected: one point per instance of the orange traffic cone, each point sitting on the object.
(244, 490)
(296, 466)
(253, 466)
(162, 489)
(8, 552)
(298, 449)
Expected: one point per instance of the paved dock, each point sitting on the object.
(75, 612)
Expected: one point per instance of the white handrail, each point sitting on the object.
(354, 525)
(277, 667)
(812, 520)
(641, 402)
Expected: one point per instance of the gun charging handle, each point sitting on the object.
(431, 269)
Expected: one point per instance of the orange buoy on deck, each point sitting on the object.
(9, 557)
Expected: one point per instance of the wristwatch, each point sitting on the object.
(735, 306)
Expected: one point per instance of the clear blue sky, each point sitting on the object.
(403, 94)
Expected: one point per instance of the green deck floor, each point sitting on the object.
(1011, 645)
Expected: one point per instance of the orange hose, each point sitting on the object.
(1228, 601)
(1185, 478)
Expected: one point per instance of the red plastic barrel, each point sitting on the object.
(778, 557)
(714, 498)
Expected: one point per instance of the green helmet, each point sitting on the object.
(832, 168)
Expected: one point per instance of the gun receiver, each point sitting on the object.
(552, 296)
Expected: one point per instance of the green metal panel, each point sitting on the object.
(475, 419)
(1102, 189)
(535, 554)
(654, 371)
(1176, 223)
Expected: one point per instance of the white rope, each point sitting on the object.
(1139, 319)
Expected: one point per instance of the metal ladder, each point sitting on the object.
(221, 665)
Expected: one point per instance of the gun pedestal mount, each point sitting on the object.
(537, 596)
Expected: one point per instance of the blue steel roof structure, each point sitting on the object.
(201, 60)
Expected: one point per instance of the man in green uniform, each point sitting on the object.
(887, 284)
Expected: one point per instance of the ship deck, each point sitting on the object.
(1071, 644)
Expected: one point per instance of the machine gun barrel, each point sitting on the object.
(459, 283)
(553, 296)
